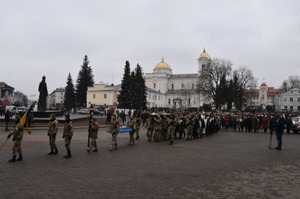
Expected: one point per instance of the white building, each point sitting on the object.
(178, 90)
(288, 101)
(56, 98)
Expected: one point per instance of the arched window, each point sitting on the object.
(169, 101)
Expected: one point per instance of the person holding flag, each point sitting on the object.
(17, 138)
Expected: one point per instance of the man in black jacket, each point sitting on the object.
(279, 124)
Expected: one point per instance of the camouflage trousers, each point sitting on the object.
(114, 143)
(164, 134)
(17, 148)
(171, 134)
(131, 139)
(189, 132)
(68, 143)
(93, 144)
(137, 131)
(150, 134)
(157, 135)
(52, 139)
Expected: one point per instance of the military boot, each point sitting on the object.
(95, 150)
(20, 158)
(137, 137)
(56, 151)
(171, 142)
(51, 152)
(116, 147)
(13, 159)
(68, 155)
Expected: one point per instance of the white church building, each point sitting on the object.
(178, 90)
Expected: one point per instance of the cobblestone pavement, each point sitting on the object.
(224, 165)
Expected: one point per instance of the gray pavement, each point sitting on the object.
(224, 165)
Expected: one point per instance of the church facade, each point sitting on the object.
(179, 90)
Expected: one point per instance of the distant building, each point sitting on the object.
(178, 90)
(56, 98)
(107, 95)
(288, 101)
(262, 97)
(103, 95)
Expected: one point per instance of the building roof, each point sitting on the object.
(204, 54)
(162, 65)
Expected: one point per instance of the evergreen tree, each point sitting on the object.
(140, 93)
(85, 79)
(133, 92)
(124, 97)
(70, 100)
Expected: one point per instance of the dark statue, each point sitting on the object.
(43, 95)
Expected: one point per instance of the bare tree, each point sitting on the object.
(213, 78)
(245, 78)
(292, 82)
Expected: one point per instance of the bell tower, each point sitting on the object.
(203, 62)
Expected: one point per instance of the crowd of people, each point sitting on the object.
(161, 127)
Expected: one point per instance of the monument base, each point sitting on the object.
(47, 113)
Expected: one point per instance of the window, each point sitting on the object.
(94, 96)
(189, 101)
(285, 107)
(298, 99)
(291, 108)
(149, 96)
(203, 66)
(172, 86)
(182, 85)
(291, 99)
(285, 99)
(154, 85)
(298, 108)
(192, 86)
(169, 101)
(105, 96)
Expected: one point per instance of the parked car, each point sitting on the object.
(296, 124)
(18, 110)
(82, 111)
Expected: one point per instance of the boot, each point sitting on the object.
(171, 142)
(89, 151)
(20, 158)
(95, 150)
(137, 137)
(13, 159)
(116, 147)
(56, 151)
(51, 152)
(68, 155)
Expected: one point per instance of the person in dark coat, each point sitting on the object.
(279, 124)
(7, 119)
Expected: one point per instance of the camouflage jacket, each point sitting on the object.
(53, 127)
(68, 129)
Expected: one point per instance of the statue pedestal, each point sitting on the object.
(46, 114)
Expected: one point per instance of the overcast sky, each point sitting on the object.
(51, 38)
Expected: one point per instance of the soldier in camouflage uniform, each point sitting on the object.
(114, 130)
(67, 134)
(94, 136)
(157, 128)
(131, 124)
(172, 125)
(17, 138)
(138, 122)
(190, 127)
(52, 131)
(164, 128)
(150, 126)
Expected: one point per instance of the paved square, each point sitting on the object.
(224, 165)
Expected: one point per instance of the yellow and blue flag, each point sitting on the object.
(28, 117)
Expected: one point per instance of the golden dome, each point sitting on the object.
(162, 65)
(204, 54)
